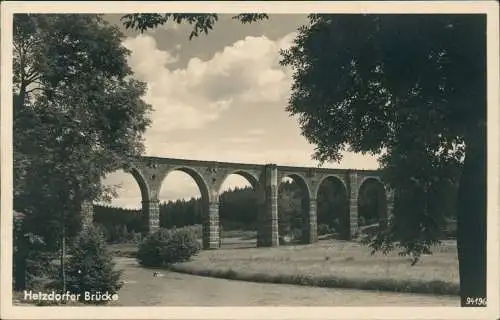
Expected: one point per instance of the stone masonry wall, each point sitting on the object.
(353, 204)
(211, 235)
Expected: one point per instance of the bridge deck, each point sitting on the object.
(190, 162)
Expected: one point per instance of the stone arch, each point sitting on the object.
(299, 179)
(305, 205)
(381, 198)
(88, 209)
(141, 181)
(367, 178)
(330, 177)
(258, 193)
(145, 188)
(209, 205)
(198, 178)
(254, 181)
(333, 212)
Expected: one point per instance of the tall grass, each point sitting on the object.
(331, 263)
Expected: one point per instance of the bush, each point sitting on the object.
(296, 234)
(32, 258)
(293, 236)
(450, 230)
(90, 267)
(137, 237)
(167, 246)
(324, 229)
(100, 228)
(196, 229)
(118, 234)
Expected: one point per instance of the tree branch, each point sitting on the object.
(32, 77)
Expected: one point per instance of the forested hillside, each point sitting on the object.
(238, 211)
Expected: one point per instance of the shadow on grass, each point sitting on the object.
(391, 285)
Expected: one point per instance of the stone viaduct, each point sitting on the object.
(149, 172)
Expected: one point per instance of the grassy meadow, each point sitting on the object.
(328, 263)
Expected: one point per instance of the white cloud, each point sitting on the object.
(189, 98)
(146, 59)
(248, 70)
(243, 76)
(170, 25)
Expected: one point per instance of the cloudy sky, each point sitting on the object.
(218, 97)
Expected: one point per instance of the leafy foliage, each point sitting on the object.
(238, 210)
(324, 229)
(167, 246)
(196, 230)
(372, 204)
(78, 115)
(291, 210)
(90, 267)
(31, 259)
(412, 88)
(332, 207)
(201, 22)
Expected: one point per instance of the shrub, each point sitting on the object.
(102, 230)
(90, 267)
(450, 230)
(296, 234)
(31, 257)
(196, 229)
(292, 236)
(118, 234)
(137, 237)
(165, 247)
(324, 229)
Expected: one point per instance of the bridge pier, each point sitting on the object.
(312, 222)
(353, 204)
(389, 206)
(151, 210)
(269, 233)
(150, 171)
(211, 235)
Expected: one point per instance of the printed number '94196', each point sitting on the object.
(475, 301)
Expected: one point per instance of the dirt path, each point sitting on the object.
(174, 289)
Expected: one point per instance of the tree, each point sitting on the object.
(31, 259)
(370, 208)
(409, 87)
(333, 207)
(201, 22)
(78, 115)
(412, 87)
(292, 211)
(91, 268)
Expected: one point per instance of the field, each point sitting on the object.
(329, 263)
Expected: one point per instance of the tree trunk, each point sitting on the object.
(20, 268)
(63, 256)
(471, 224)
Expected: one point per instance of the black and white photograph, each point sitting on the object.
(182, 155)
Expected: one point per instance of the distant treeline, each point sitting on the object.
(238, 210)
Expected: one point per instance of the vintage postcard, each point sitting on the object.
(250, 160)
